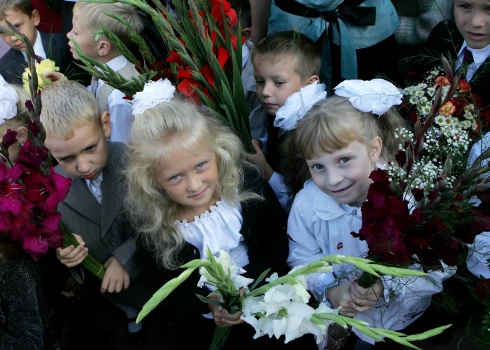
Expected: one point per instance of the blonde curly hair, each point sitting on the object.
(153, 135)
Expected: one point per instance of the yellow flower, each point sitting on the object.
(44, 66)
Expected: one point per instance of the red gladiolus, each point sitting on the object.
(217, 6)
(185, 87)
(34, 127)
(10, 191)
(207, 73)
(184, 73)
(222, 57)
(174, 57)
(9, 139)
(45, 235)
(32, 156)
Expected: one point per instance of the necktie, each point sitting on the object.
(96, 189)
(94, 84)
(467, 60)
(39, 59)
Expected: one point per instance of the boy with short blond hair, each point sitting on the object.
(88, 18)
(284, 63)
(25, 18)
(76, 135)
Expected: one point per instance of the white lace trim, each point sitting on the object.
(154, 93)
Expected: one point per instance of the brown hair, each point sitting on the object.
(293, 45)
(23, 6)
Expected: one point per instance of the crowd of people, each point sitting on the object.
(157, 181)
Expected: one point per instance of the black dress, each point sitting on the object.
(264, 232)
(26, 319)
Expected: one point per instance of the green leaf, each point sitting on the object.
(260, 279)
(210, 301)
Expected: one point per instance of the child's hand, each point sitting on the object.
(340, 296)
(259, 159)
(222, 317)
(54, 76)
(115, 278)
(364, 299)
(71, 256)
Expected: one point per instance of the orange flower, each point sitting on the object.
(448, 109)
(441, 80)
(464, 86)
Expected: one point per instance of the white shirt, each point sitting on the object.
(38, 47)
(318, 225)
(120, 109)
(217, 229)
(100, 177)
(479, 56)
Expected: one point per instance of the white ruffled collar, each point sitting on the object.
(298, 104)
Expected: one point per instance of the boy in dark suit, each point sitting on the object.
(466, 41)
(21, 15)
(76, 134)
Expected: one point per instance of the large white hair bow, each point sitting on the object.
(376, 96)
(154, 93)
(8, 101)
(298, 104)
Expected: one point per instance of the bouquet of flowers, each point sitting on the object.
(30, 188)
(204, 59)
(42, 67)
(280, 307)
(419, 209)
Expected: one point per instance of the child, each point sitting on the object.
(286, 65)
(76, 135)
(342, 146)
(46, 45)
(191, 189)
(87, 19)
(466, 41)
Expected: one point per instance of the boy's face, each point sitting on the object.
(86, 153)
(85, 38)
(473, 21)
(276, 81)
(24, 23)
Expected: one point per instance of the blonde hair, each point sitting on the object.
(22, 118)
(94, 16)
(153, 135)
(334, 123)
(305, 55)
(67, 105)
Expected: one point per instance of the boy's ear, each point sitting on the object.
(22, 134)
(312, 79)
(246, 32)
(376, 147)
(105, 120)
(104, 47)
(35, 18)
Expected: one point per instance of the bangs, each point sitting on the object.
(325, 135)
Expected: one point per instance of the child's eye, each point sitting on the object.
(280, 82)
(317, 167)
(259, 82)
(202, 166)
(90, 148)
(465, 6)
(174, 178)
(344, 160)
(66, 160)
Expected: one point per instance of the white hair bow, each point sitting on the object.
(376, 96)
(154, 93)
(8, 101)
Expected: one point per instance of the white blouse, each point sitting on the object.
(217, 228)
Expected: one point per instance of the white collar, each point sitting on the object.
(479, 56)
(246, 52)
(100, 177)
(115, 64)
(326, 207)
(38, 47)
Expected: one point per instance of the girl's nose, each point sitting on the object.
(193, 183)
(333, 178)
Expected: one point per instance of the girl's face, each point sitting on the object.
(189, 178)
(344, 174)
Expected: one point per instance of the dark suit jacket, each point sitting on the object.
(13, 64)
(446, 39)
(105, 228)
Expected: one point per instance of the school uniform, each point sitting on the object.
(254, 235)
(112, 100)
(318, 226)
(48, 45)
(104, 227)
(446, 39)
